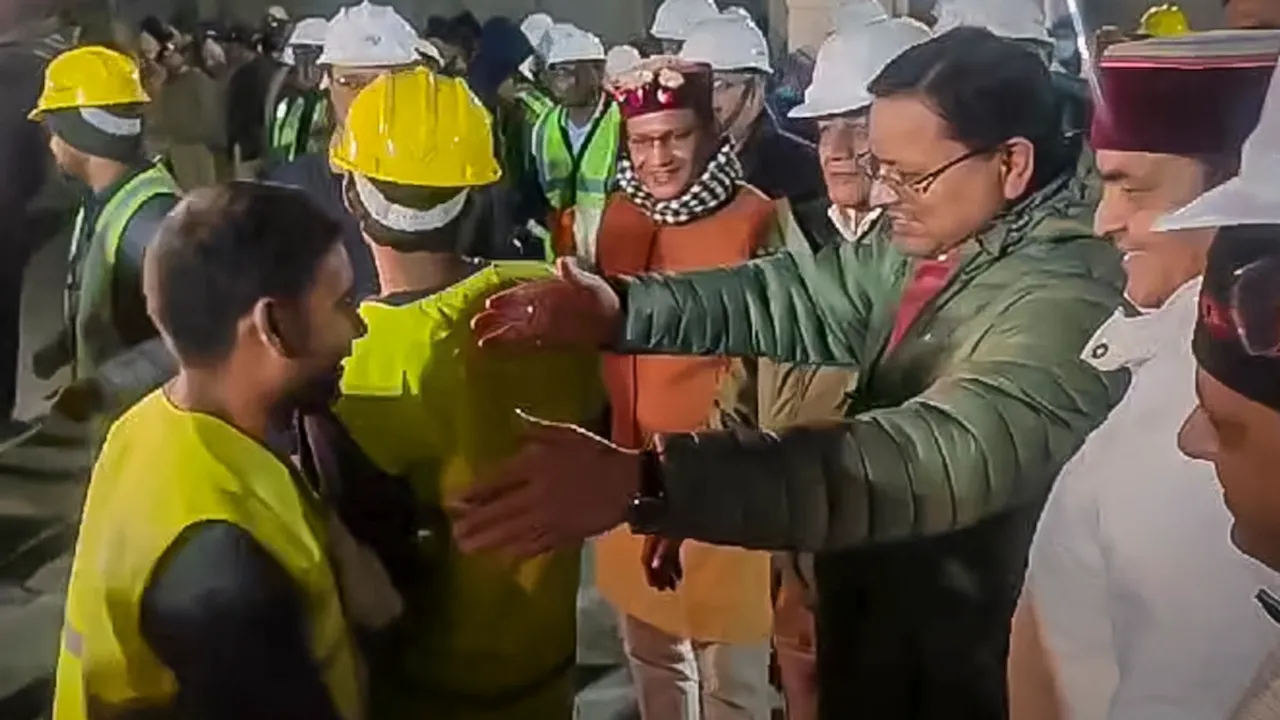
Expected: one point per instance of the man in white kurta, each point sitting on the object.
(1141, 606)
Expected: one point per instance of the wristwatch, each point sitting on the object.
(648, 508)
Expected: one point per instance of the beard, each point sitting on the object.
(316, 392)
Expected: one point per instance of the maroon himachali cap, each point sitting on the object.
(661, 83)
(1195, 94)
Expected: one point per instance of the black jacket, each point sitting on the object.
(781, 165)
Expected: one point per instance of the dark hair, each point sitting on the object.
(224, 248)
(988, 90)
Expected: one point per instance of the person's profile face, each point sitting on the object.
(316, 336)
(668, 150)
(1238, 436)
(936, 191)
(1137, 189)
(69, 160)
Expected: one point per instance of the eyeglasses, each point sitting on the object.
(912, 186)
(1254, 300)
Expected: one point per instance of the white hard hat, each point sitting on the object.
(848, 61)
(675, 18)
(852, 14)
(728, 41)
(620, 59)
(309, 31)
(369, 35)
(535, 28)
(568, 43)
(1013, 19)
(1253, 196)
(276, 12)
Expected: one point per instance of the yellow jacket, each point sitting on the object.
(424, 403)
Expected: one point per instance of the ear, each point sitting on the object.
(1019, 163)
(266, 325)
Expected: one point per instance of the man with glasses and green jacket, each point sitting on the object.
(963, 311)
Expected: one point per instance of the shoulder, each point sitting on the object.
(214, 573)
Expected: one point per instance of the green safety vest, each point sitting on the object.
(88, 300)
(535, 103)
(293, 126)
(581, 182)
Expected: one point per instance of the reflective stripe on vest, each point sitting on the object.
(535, 103)
(567, 179)
(288, 140)
(162, 471)
(88, 300)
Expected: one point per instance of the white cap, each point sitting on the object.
(1013, 19)
(675, 19)
(1253, 196)
(728, 41)
(849, 15)
(535, 27)
(620, 59)
(568, 43)
(848, 61)
(369, 35)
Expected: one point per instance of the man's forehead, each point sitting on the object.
(665, 121)
(1119, 165)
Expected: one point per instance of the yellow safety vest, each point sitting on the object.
(162, 470)
(423, 402)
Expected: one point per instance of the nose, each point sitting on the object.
(1197, 439)
(882, 195)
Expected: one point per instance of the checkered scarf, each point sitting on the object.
(714, 189)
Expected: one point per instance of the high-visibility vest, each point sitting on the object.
(425, 404)
(161, 471)
(94, 253)
(535, 103)
(579, 183)
(293, 126)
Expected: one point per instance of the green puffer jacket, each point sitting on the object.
(921, 503)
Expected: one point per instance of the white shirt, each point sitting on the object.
(1144, 603)
(851, 223)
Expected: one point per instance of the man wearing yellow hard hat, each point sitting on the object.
(92, 106)
(484, 638)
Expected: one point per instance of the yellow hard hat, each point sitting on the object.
(1165, 20)
(415, 127)
(90, 76)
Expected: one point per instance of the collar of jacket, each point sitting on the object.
(1065, 202)
(1130, 338)
(852, 224)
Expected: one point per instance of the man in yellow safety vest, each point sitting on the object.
(485, 639)
(205, 582)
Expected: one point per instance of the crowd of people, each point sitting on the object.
(938, 379)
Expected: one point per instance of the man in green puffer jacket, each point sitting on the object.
(970, 394)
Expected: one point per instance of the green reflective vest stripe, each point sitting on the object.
(94, 253)
(293, 124)
(535, 103)
(581, 181)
